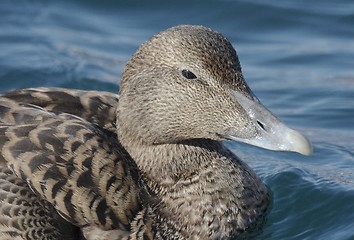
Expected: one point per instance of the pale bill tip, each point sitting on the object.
(299, 143)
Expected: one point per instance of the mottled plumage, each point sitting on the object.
(150, 165)
(66, 159)
(25, 216)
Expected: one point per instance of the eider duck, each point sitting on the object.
(148, 163)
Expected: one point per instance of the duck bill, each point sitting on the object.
(270, 132)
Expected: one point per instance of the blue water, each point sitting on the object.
(297, 56)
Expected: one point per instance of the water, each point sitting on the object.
(297, 56)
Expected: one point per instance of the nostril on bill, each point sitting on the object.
(261, 125)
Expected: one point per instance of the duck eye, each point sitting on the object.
(188, 74)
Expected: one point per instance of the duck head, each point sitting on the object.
(186, 83)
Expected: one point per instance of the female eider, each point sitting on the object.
(147, 164)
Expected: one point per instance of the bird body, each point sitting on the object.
(148, 163)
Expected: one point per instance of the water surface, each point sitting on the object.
(297, 56)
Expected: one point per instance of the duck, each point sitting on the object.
(147, 163)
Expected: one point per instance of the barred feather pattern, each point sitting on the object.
(97, 107)
(21, 208)
(78, 167)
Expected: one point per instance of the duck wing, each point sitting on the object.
(20, 208)
(76, 166)
(97, 107)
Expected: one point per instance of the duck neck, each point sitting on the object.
(172, 162)
(163, 165)
(197, 181)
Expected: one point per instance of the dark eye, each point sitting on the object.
(188, 74)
